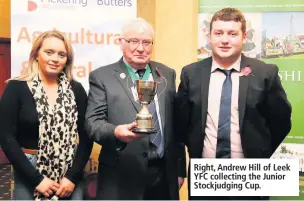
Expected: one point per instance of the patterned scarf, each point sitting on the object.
(58, 134)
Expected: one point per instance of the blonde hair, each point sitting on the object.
(33, 68)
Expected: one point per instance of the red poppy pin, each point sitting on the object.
(246, 71)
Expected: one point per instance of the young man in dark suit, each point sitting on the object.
(229, 105)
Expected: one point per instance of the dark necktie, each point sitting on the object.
(141, 73)
(155, 138)
(223, 137)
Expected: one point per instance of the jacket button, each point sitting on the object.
(145, 154)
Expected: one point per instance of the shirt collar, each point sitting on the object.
(236, 65)
(133, 69)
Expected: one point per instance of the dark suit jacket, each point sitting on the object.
(123, 168)
(264, 112)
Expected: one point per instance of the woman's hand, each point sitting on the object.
(66, 188)
(47, 187)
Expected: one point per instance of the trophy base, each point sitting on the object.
(144, 130)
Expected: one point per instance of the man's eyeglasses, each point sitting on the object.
(135, 42)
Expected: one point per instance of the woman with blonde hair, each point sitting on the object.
(42, 123)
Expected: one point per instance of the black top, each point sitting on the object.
(19, 127)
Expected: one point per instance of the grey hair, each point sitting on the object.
(137, 24)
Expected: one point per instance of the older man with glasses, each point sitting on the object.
(134, 166)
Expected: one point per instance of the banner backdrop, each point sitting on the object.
(92, 26)
(275, 34)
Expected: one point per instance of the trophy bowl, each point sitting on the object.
(146, 91)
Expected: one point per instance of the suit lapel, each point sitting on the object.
(125, 80)
(161, 95)
(205, 82)
(243, 88)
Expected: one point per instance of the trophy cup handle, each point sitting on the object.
(166, 83)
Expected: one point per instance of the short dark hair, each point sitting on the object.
(229, 14)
